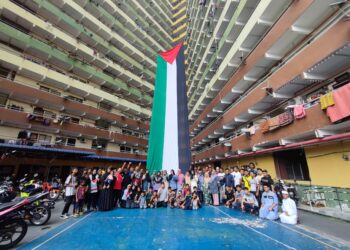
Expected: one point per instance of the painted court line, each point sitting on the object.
(265, 235)
(54, 236)
(308, 236)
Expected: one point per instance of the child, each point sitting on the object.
(187, 205)
(126, 197)
(172, 199)
(142, 200)
(180, 200)
(149, 195)
(136, 203)
(195, 201)
(79, 199)
(154, 200)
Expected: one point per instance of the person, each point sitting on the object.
(194, 180)
(118, 184)
(238, 197)
(172, 199)
(158, 179)
(236, 176)
(79, 199)
(180, 180)
(187, 178)
(70, 184)
(253, 183)
(206, 193)
(249, 202)
(142, 200)
(289, 213)
(228, 179)
(214, 185)
(149, 194)
(163, 196)
(154, 200)
(246, 179)
(230, 197)
(266, 179)
(126, 199)
(172, 178)
(200, 185)
(92, 202)
(146, 180)
(106, 197)
(269, 204)
(195, 201)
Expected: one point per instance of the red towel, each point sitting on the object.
(341, 108)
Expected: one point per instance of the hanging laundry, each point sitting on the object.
(274, 123)
(299, 111)
(341, 108)
(252, 130)
(264, 126)
(327, 100)
(285, 118)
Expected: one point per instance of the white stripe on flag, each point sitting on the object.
(170, 148)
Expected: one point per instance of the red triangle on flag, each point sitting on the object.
(171, 54)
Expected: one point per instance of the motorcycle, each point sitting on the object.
(7, 192)
(38, 210)
(291, 189)
(13, 228)
(28, 188)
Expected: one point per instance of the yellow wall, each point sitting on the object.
(261, 161)
(326, 165)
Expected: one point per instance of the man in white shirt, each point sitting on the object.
(70, 184)
(289, 213)
(237, 177)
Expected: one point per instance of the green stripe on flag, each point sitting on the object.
(156, 137)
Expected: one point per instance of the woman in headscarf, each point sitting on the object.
(106, 196)
(158, 179)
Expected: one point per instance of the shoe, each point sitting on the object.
(64, 216)
(75, 215)
(81, 214)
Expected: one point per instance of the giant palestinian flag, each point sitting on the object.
(169, 143)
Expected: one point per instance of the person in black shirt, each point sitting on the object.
(230, 196)
(266, 179)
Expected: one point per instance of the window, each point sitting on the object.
(126, 132)
(49, 90)
(292, 165)
(71, 142)
(105, 106)
(74, 99)
(125, 149)
(74, 120)
(102, 124)
(3, 99)
(46, 139)
(99, 144)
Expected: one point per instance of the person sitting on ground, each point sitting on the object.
(172, 199)
(230, 197)
(180, 199)
(187, 204)
(269, 204)
(154, 200)
(195, 201)
(289, 213)
(238, 197)
(249, 202)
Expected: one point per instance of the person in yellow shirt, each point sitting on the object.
(246, 179)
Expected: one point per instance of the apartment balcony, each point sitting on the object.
(316, 125)
(39, 123)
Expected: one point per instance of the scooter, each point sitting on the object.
(291, 189)
(7, 192)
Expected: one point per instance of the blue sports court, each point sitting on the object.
(207, 228)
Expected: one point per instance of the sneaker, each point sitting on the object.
(64, 216)
(75, 215)
(81, 214)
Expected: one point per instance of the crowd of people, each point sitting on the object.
(246, 188)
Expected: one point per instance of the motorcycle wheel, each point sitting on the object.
(40, 215)
(9, 229)
(54, 195)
